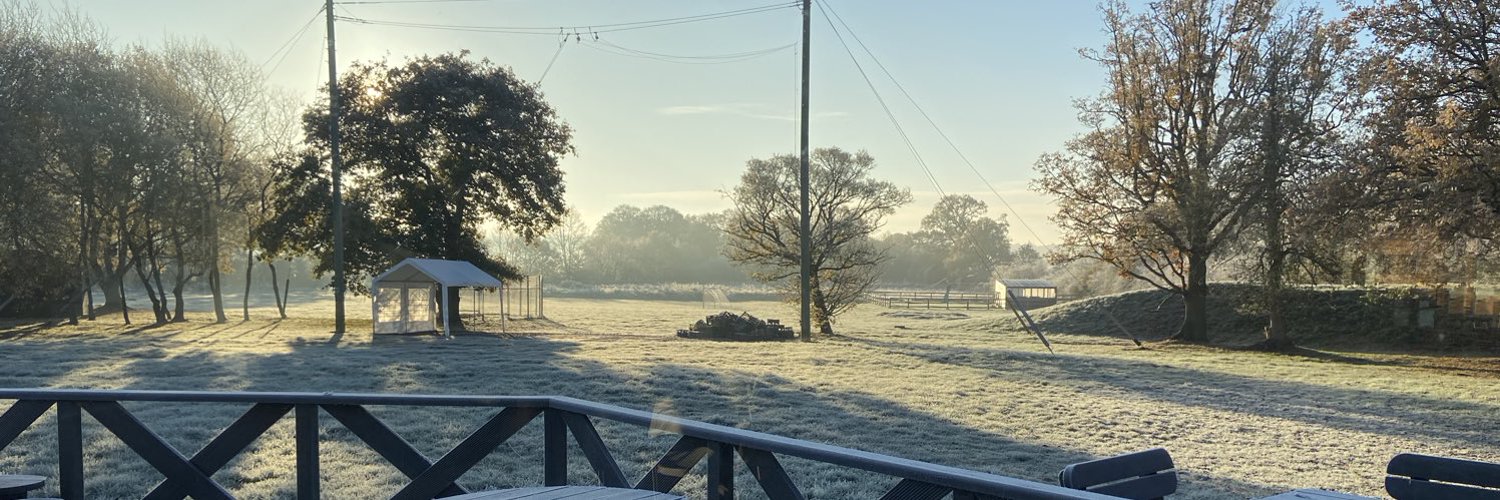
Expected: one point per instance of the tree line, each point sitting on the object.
(139, 163)
(958, 245)
(1296, 145)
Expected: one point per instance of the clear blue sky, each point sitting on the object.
(999, 76)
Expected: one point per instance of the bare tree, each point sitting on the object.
(231, 99)
(1301, 103)
(1154, 188)
(847, 207)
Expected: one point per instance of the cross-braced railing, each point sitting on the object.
(562, 417)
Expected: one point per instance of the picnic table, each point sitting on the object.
(1315, 494)
(16, 486)
(568, 492)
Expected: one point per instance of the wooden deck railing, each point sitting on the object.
(562, 417)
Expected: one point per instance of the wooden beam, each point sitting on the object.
(768, 472)
(911, 489)
(474, 448)
(154, 450)
(386, 442)
(19, 417)
(594, 449)
(229, 443)
(678, 460)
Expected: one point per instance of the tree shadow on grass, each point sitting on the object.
(1353, 409)
(493, 365)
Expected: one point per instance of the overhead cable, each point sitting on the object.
(582, 28)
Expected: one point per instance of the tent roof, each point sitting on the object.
(438, 271)
(1027, 283)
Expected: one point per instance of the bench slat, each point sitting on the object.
(1152, 486)
(1085, 474)
(1402, 488)
(1448, 470)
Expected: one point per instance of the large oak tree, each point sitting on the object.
(1154, 188)
(433, 148)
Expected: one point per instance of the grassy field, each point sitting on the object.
(969, 391)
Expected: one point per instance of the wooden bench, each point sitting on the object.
(16, 486)
(1422, 477)
(1142, 475)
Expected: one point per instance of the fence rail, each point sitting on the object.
(905, 299)
(562, 417)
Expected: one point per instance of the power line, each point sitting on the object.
(560, 44)
(581, 28)
(1071, 273)
(734, 57)
(286, 47)
(883, 106)
(378, 2)
(934, 124)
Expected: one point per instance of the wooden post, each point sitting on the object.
(70, 450)
(720, 472)
(307, 452)
(804, 233)
(337, 166)
(554, 449)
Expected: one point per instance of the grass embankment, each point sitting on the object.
(1359, 319)
(961, 392)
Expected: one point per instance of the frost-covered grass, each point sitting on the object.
(965, 393)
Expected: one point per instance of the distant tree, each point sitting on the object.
(567, 246)
(1154, 188)
(847, 207)
(1026, 262)
(970, 244)
(910, 261)
(434, 148)
(657, 244)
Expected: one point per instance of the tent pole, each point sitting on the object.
(374, 309)
(405, 308)
(447, 328)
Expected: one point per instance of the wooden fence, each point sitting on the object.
(909, 299)
(562, 417)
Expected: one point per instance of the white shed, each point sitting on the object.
(1025, 293)
(408, 288)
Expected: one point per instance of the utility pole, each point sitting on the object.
(338, 195)
(805, 234)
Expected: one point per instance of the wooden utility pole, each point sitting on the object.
(338, 196)
(805, 232)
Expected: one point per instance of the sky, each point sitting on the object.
(998, 76)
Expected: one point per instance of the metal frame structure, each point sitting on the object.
(562, 417)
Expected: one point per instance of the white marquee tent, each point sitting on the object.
(408, 286)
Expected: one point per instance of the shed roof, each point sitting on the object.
(437, 271)
(1027, 283)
